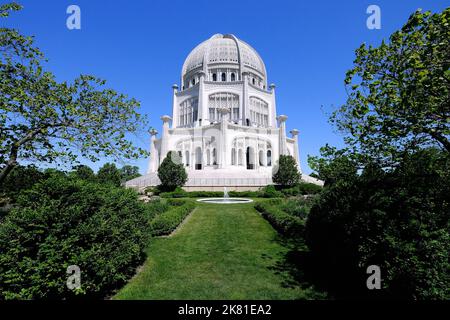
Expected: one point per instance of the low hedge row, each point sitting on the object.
(269, 191)
(283, 222)
(168, 221)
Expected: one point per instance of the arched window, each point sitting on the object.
(261, 157)
(224, 76)
(214, 156)
(269, 158)
(214, 77)
(187, 158)
(253, 81)
(193, 82)
(233, 77)
(198, 158)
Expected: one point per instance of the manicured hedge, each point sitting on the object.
(62, 222)
(303, 188)
(283, 222)
(168, 221)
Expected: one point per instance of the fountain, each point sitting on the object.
(226, 199)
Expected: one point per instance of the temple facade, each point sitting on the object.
(224, 125)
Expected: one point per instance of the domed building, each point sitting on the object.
(224, 124)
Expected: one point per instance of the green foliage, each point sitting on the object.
(155, 207)
(287, 174)
(397, 219)
(61, 222)
(83, 172)
(302, 188)
(286, 224)
(171, 172)
(168, 221)
(109, 174)
(177, 193)
(247, 194)
(270, 192)
(399, 93)
(47, 121)
(128, 172)
(20, 178)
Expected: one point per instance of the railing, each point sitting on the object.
(145, 181)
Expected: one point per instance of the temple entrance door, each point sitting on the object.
(198, 158)
(250, 158)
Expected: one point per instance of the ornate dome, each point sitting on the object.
(224, 51)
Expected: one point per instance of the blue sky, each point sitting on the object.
(139, 48)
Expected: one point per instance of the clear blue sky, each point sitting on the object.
(139, 48)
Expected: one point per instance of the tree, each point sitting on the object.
(64, 221)
(171, 172)
(287, 174)
(397, 219)
(42, 120)
(109, 174)
(83, 172)
(399, 93)
(128, 172)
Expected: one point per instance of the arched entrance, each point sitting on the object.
(250, 158)
(198, 158)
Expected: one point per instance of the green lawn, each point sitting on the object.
(220, 252)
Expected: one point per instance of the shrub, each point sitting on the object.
(248, 194)
(155, 207)
(177, 193)
(283, 222)
(62, 222)
(302, 188)
(109, 174)
(171, 173)
(270, 192)
(396, 219)
(298, 207)
(20, 178)
(287, 174)
(168, 221)
(176, 202)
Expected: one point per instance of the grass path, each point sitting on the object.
(221, 252)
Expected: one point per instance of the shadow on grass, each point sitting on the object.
(321, 281)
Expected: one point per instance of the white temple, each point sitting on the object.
(224, 123)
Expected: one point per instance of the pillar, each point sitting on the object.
(175, 107)
(153, 164)
(294, 133)
(273, 109)
(282, 134)
(223, 143)
(165, 137)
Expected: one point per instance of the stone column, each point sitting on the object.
(294, 133)
(273, 110)
(223, 143)
(282, 134)
(202, 101)
(175, 107)
(165, 137)
(245, 102)
(153, 165)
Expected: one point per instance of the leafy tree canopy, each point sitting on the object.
(287, 174)
(42, 120)
(399, 93)
(171, 172)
